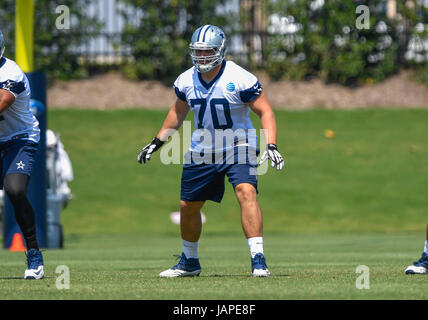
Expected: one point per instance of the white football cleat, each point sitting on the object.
(259, 267)
(261, 273)
(186, 267)
(175, 273)
(420, 266)
(34, 265)
(416, 270)
(35, 274)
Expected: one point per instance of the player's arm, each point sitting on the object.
(173, 121)
(262, 108)
(6, 99)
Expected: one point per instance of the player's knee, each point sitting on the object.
(245, 192)
(189, 206)
(183, 205)
(14, 191)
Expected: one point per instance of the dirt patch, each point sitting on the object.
(113, 91)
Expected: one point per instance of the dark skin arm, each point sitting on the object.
(6, 99)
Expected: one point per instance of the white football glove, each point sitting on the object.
(275, 157)
(147, 151)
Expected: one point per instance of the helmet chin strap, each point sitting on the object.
(201, 68)
(206, 68)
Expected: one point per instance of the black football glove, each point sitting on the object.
(275, 157)
(147, 151)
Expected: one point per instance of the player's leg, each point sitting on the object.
(243, 177)
(252, 224)
(190, 227)
(198, 184)
(18, 160)
(190, 220)
(420, 266)
(251, 215)
(15, 186)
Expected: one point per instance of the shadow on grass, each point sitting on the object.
(242, 276)
(22, 278)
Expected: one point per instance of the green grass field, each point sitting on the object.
(356, 199)
(317, 266)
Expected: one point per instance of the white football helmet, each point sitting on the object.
(207, 38)
(1, 44)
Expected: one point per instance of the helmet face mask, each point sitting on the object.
(205, 59)
(207, 48)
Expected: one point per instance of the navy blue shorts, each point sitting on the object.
(201, 182)
(17, 156)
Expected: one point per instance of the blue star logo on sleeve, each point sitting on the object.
(257, 88)
(13, 86)
(251, 93)
(20, 165)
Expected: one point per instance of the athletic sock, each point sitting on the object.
(426, 247)
(32, 241)
(190, 249)
(256, 245)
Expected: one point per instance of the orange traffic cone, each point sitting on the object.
(17, 243)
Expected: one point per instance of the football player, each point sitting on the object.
(19, 137)
(420, 266)
(221, 94)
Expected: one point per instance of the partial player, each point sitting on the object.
(420, 266)
(19, 144)
(224, 143)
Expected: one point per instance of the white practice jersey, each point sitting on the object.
(17, 120)
(220, 107)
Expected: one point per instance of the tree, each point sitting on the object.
(160, 39)
(325, 41)
(54, 49)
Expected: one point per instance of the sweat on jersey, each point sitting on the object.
(220, 107)
(18, 118)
